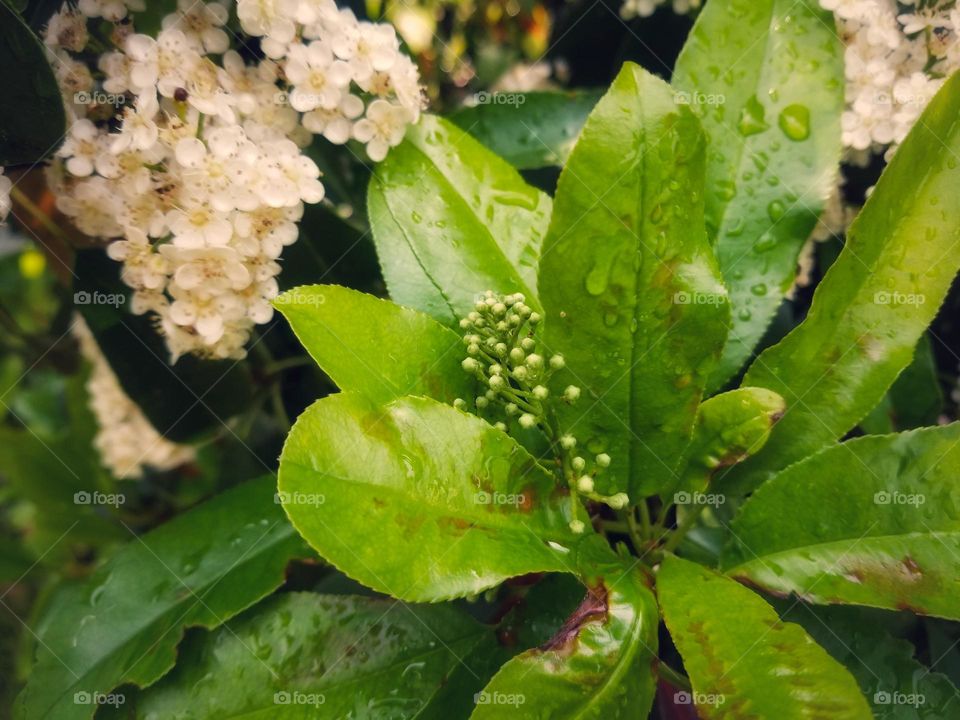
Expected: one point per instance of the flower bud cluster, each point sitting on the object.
(504, 355)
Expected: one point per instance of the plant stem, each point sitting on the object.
(675, 678)
(645, 520)
(682, 529)
(35, 212)
(279, 366)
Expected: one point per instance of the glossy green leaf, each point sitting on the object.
(533, 129)
(452, 220)
(870, 522)
(32, 117)
(374, 347)
(914, 400)
(123, 624)
(897, 686)
(874, 303)
(419, 500)
(630, 289)
(766, 79)
(599, 664)
(742, 660)
(302, 655)
(729, 428)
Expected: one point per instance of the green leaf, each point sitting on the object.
(123, 624)
(893, 682)
(599, 664)
(874, 303)
(533, 130)
(729, 428)
(915, 399)
(32, 117)
(452, 220)
(419, 500)
(630, 289)
(374, 347)
(766, 79)
(181, 401)
(870, 522)
(742, 660)
(302, 655)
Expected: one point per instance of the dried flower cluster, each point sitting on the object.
(202, 182)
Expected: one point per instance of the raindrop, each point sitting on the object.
(794, 120)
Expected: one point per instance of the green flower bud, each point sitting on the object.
(568, 442)
(473, 349)
(501, 349)
(517, 356)
(482, 402)
(534, 318)
(465, 324)
(480, 306)
(534, 361)
(496, 382)
(540, 392)
(473, 317)
(470, 365)
(459, 403)
(511, 409)
(490, 395)
(572, 393)
(496, 369)
(585, 484)
(527, 421)
(618, 501)
(520, 373)
(603, 460)
(577, 526)
(578, 463)
(500, 426)
(499, 309)
(528, 344)
(557, 362)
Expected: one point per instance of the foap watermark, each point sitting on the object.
(98, 498)
(682, 97)
(296, 697)
(698, 698)
(499, 698)
(299, 498)
(499, 498)
(98, 97)
(83, 297)
(299, 297)
(98, 698)
(899, 298)
(499, 98)
(894, 497)
(882, 697)
(698, 498)
(698, 298)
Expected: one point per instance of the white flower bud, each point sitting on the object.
(585, 484)
(473, 317)
(470, 365)
(568, 442)
(499, 309)
(618, 501)
(578, 463)
(473, 349)
(511, 409)
(527, 421)
(496, 382)
(603, 460)
(540, 392)
(577, 526)
(465, 324)
(557, 362)
(517, 356)
(572, 393)
(480, 306)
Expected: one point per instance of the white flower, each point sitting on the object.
(81, 147)
(202, 25)
(318, 79)
(289, 177)
(138, 131)
(382, 128)
(198, 226)
(335, 124)
(367, 47)
(66, 29)
(264, 17)
(159, 63)
(112, 10)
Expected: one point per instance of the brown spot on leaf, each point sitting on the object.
(594, 608)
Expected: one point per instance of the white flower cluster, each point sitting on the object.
(5, 187)
(895, 62)
(645, 8)
(125, 439)
(204, 179)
